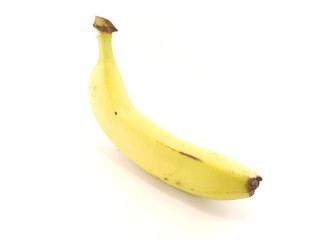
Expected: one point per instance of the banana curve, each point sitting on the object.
(179, 163)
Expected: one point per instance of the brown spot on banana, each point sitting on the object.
(190, 156)
(183, 153)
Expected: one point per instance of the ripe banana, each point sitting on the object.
(181, 164)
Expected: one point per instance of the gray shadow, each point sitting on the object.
(237, 210)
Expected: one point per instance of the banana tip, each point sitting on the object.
(253, 184)
(104, 25)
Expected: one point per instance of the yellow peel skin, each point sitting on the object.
(181, 164)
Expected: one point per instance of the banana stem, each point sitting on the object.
(104, 25)
(105, 28)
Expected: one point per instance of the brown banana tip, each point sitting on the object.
(253, 184)
(104, 25)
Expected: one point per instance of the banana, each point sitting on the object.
(181, 164)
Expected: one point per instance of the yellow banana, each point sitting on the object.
(181, 164)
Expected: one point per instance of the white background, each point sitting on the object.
(238, 77)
